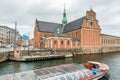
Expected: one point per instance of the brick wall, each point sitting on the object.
(73, 34)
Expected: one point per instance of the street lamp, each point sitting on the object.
(15, 35)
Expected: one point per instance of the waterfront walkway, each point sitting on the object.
(11, 49)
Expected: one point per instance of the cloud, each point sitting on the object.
(26, 11)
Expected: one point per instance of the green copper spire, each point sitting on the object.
(64, 20)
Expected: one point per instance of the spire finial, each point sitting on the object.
(90, 4)
(64, 5)
(36, 19)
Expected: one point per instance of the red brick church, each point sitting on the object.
(81, 33)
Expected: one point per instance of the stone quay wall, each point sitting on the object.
(110, 49)
(67, 52)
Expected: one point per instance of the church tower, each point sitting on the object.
(64, 19)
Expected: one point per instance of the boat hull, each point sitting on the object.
(98, 77)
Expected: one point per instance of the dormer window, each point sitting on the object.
(91, 18)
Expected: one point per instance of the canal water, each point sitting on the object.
(112, 59)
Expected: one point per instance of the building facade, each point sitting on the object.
(7, 36)
(85, 30)
(110, 43)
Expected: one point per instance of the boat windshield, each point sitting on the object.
(61, 78)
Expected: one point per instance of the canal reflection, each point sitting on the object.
(112, 59)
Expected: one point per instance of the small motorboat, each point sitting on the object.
(98, 70)
(87, 71)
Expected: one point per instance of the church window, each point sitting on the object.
(76, 34)
(91, 18)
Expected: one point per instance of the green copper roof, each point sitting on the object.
(64, 20)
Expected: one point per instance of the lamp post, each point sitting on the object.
(15, 35)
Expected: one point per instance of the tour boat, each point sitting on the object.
(87, 71)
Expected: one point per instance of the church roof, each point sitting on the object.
(76, 24)
(52, 27)
(48, 26)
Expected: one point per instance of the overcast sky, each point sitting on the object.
(26, 11)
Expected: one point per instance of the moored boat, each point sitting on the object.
(86, 71)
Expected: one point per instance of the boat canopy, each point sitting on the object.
(62, 72)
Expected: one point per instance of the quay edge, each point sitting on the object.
(59, 54)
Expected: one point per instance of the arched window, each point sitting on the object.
(61, 42)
